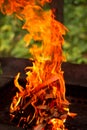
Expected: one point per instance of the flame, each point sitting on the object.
(57, 124)
(45, 87)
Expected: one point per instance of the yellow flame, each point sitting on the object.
(46, 70)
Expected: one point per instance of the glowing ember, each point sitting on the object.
(42, 102)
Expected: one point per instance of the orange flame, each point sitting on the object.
(57, 124)
(44, 79)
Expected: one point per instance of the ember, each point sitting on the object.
(41, 104)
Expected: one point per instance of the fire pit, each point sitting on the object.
(76, 88)
(38, 100)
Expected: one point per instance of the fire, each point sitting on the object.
(57, 124)
(42, 101)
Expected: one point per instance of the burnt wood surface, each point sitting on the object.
(9, 127)
(77, 105)
(74, 74)
(76, 89)
(10, 67)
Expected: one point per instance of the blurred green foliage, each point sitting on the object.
(75, 19)
(75, 47)
(11, 37)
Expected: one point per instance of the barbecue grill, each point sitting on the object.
(76, 91)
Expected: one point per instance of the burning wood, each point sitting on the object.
(41, 104)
